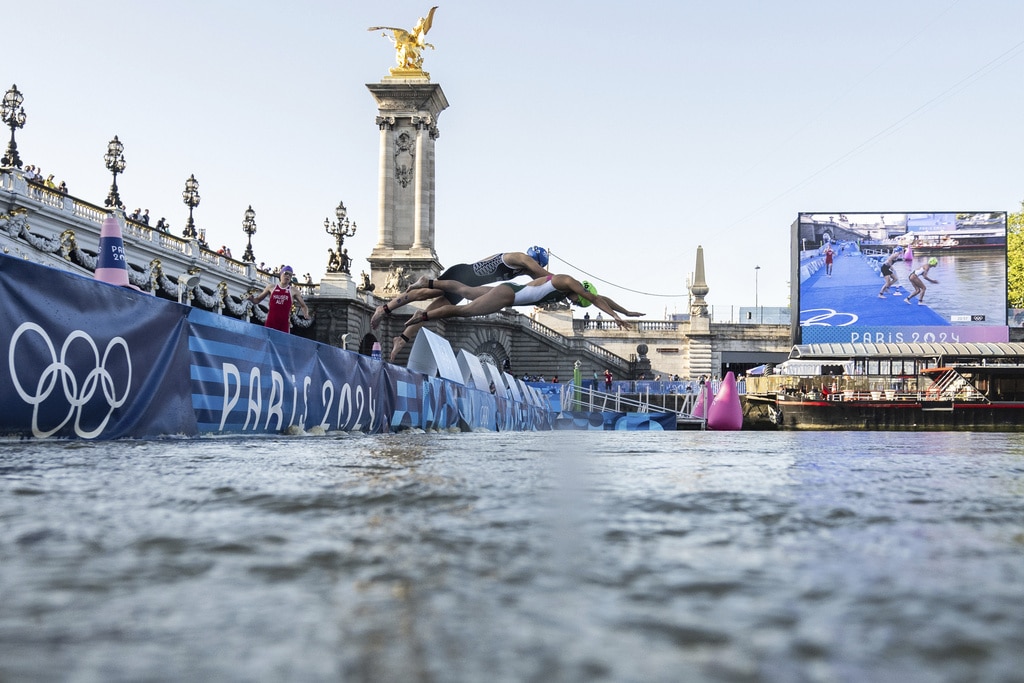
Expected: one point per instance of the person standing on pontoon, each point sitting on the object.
(888, 272)
(917, 279)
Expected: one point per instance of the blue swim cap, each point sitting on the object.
(590, 288)
(538, 254)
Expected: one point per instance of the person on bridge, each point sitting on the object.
(485, 300)
(281, 293)
(495, 268)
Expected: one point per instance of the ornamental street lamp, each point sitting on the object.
(114, 160)
(13, 114)
(191, 198)
(249, 228)
(340, 230)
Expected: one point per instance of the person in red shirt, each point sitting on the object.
(279, 309)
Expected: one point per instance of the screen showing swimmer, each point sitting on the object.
(886, 278)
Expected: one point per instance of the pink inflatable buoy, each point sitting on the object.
(726, 412)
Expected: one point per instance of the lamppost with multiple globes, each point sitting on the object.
(340, 230)
(114, 160)
(249, 228)
(191, 198)
(13, 114)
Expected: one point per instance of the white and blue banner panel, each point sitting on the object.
(94, 361)
(89, 360)
(264, 381)
(615, 421)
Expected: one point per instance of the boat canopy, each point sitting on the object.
(813, 368)
(992, 351)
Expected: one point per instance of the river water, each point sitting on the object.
(969, 283)
(565, 556)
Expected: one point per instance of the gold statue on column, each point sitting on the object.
(409, 44)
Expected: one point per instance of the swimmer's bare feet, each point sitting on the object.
(423, 283)
(397, 344)
(417, 318)
(379, 314)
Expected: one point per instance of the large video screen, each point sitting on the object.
(875, 278)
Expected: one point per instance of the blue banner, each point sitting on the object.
(89, 360)
(269, 381)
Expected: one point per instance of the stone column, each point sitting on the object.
(385, 170)
(424, 199)
(408, 109)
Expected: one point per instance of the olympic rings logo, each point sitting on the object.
(827, 317)
(77, 395)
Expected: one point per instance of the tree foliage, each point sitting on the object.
(1015, 258)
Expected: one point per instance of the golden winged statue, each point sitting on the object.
(408, 44)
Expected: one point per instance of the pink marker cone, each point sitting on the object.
(111, 264)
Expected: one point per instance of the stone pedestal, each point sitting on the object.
(338, 286)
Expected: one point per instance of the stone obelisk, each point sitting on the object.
(699, 289)
(700, 353)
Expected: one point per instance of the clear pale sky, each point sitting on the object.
(619, 135)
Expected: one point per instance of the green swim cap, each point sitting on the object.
(933, 261)
(590, 288)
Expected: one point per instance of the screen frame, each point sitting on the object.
(875, 234)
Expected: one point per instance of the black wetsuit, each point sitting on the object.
(493, 269)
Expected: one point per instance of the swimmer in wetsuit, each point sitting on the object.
(888, 272)
(496, 268)
(917, 279)
(485, 300)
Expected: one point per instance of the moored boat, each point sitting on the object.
(932, 387)
(964, 239)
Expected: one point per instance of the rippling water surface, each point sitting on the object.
(590, 556)
(968, 283)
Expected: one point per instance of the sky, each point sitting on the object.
(620, 136)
